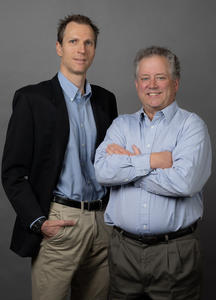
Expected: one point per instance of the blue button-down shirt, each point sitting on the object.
(77, 180)
(154, 201)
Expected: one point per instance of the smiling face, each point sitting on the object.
(77, 50)
(155, 86)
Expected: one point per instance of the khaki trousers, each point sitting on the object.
(164, 271)
(74, 259)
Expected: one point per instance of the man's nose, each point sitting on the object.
(81, 48)
(153, 83)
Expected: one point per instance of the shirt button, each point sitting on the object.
(148, 146)
(145, 226)
(152, 126)
(144, 205)
(83, 145)
(81, 124)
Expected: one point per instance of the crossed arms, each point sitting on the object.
(161, 160)
(180, 173)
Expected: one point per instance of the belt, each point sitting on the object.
(88, 205)
(155, 239)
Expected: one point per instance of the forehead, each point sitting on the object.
(83, 30)
(153, 65)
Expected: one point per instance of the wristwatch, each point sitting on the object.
(36, 226)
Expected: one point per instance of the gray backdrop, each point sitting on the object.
(28, 35)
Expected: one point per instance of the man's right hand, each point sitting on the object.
(51, 227)
(117, 149)
(161, 160)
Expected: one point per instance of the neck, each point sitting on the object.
(150, 113)
(77, 79)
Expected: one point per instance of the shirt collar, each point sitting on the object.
(168, 112)
(71, 90)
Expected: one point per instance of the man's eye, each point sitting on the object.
(73, 41)
(89, 43)
(144, 78)
(160, 77)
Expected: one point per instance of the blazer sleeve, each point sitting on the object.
(17, 161)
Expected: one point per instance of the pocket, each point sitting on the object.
(124, 260)
(185, 259)
(59, 212)
(58, 236)
(190, 255)
(121, 253)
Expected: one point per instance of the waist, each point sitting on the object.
(145, 213)
(160, 238)
(87, 205)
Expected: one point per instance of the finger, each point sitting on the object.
(124, 151)
(54, 223)
(115, 149)
(108, 151)
(136, 150)
(111, 146)
(120, 150)
(69, 222)
(63, 223)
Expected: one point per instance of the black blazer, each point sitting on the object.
(34, 151)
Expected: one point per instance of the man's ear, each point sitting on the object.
(59, 49)
(136, 83)
(176, 84)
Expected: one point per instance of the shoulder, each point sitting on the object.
(127, 119)
(190, 117)
(42, 88)
(191, 125)
(42, 92)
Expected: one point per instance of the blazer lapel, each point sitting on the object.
(62, 119)
(98, 115)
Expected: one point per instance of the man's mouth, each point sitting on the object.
(80, 60)
(153, 93)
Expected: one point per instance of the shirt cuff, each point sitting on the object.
(36, 221)
(141, 164)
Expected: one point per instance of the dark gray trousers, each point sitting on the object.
(165, 271)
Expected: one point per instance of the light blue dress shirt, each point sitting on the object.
(154, 201)
(77, 179)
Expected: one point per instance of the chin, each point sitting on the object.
(79, 72)
(155, 104)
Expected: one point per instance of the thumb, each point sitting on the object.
(136, 150)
